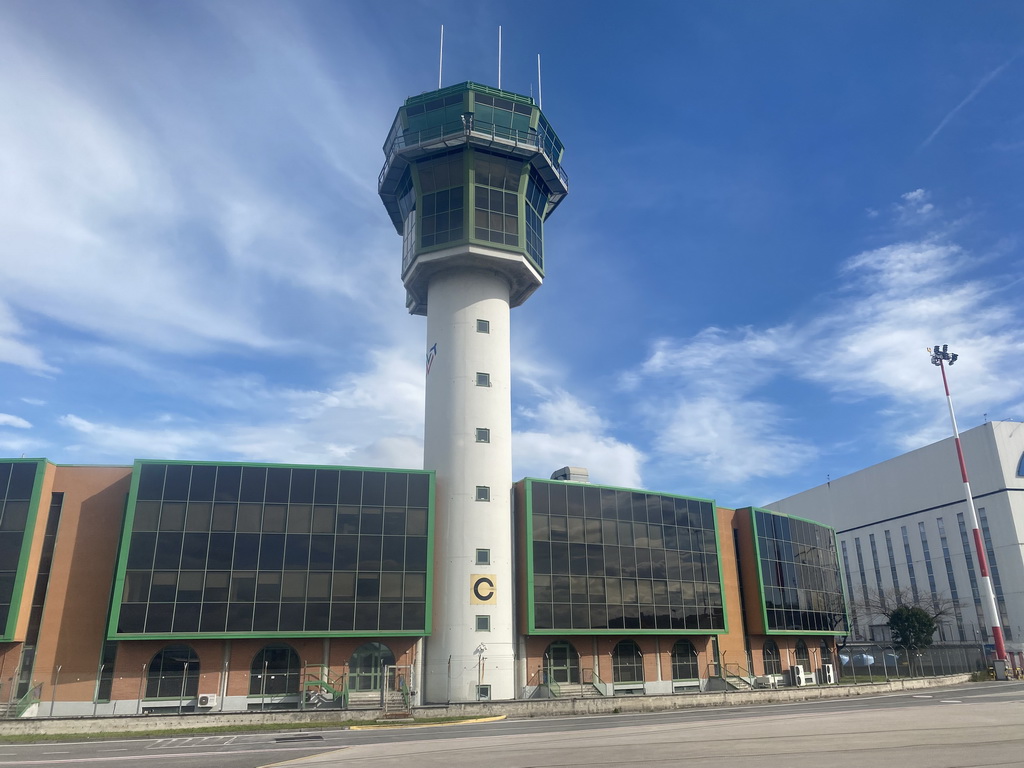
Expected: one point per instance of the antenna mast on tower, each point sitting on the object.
(540, 94)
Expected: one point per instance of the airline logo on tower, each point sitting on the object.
(431, 354)
(483, 589)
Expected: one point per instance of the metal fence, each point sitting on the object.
(873, 661)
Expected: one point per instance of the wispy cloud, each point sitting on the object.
(14, 350)
(559, 430)
(9, 420)
(372, 417)
(140, 206)
(982, 84)
(713, 403)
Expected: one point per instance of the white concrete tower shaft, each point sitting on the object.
(468, 443)
(471, 174)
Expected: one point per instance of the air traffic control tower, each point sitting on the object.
(471, 174)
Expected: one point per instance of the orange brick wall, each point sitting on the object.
(73, 627)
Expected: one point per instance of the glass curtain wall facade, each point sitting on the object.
(798, 567)
(230, 550)
(20, 483)
(603, 559)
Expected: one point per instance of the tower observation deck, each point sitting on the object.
(471, 174)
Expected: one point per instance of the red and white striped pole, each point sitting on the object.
(988, 594)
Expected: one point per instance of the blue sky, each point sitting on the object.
(774, 208)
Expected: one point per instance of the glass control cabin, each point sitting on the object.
(470, 175)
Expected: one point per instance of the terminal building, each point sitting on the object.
(185, 586)
(175, 586)
(901, 529)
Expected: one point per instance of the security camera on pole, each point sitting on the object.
(939, 356)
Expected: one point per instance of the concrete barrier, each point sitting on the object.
(141, 724)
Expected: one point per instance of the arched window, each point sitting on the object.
(803, 656)
(826, 651)
(274, 670)
(562, 662)
(772, 662)
(1020, 466)
(627, 663)
(173, 673)
(365, 668)
(684, 661)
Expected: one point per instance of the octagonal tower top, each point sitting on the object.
(470, 175)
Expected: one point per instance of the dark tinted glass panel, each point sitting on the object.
(176, 482)
(278, 482)
(132, 618)
(228, 479)
(271, 552)
(193, 551)
(203, 479)
(274, 561)
(321, 553)
(302, 486)
(396, 489)
(296, 553)
(240, 617)
(326, 486)
(168, 550)
(351, 487)
(140, 554)
(373, 489)
(246, 552)
(151, 481)
(10, 548)
(219, 556)
(371, 521)
(419, 490)
(23, 475)
(213, 617)
(614, 559)
(186, 617)
(254, 482)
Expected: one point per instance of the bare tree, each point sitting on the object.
(885, 601)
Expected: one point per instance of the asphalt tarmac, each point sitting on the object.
(980, 724)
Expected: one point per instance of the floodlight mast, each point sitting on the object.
(941, 355)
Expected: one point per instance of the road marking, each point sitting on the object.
(921, 696)
(298, 759)
(950, 701)
(77, 760)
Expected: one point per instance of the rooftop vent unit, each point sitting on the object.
(571, 474)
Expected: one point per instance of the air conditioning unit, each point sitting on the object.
(798, 674)
(208, 700)
(829, 673)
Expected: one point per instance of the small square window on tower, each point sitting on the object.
(483, 379)
(483, 557)
(483, 435)
(483, 326)
(483, 493)
(483, 623)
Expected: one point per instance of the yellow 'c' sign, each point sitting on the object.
(483, 589)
